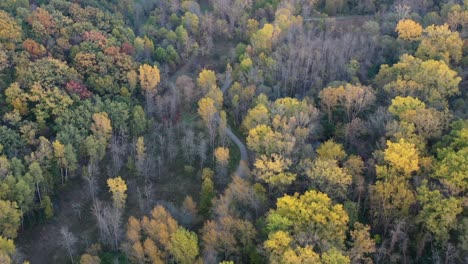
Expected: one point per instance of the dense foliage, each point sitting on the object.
(233, 131)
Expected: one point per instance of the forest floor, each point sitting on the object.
(42, 242)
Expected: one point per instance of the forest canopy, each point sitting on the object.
(233, 131)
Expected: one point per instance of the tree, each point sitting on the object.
(330, 98)
(9, 219)
(400, 105)
(69, 241)
(362, 244)
(276, 245)
(263, 140)
(141, 156)
(152, 251)
(259, 115)
(138, 121)
(9, 29)
(334, 256)
(313, 216)
(328, 177)
(331, 150)
(42, 22)
(274, 170)
(207, 111)
(89, 259)
(191, 22)
(184, 246)
(48, 102)
(7, 250)
(117, 187)
(35, 49)
(47, 73)
(149, 78)
(263, 38)
(222, 159)
(301, 255)
(135, 249)
(356, 99)
(450, 167)
(36, 172)
(409, 30)
(160, 227)
(206, 80)
(390, 200)
(48, 208)
(70, 159)
(430, 81)
(207, 192)
(439, 43)
(403, 156)
(438, 214)
(59, 154)
(101, 126)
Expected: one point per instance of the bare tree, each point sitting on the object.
(402, 11)
(202, 148)
(69, 241)
(77, 209)
(109, 223)
(188, 143)
(92, 182)
(312, 58)
(117, 150)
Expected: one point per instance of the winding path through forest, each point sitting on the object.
(242, 169)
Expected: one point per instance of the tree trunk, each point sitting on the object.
(38, 192)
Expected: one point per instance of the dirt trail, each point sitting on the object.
(242, 169)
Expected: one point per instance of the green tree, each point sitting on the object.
(334, 256)
(184, 246)
(138, 121)
(263, 140)
(46, 205)
(451, 167)
(328, 177)
(440, 43)
(262, 39)
(207, 192)
(9, 219)
(71, 162)
(59, 154)
(9, 30)
(438, 214)
(7, 250)
(312, 215)
(331, 150)
(390, 199)
(36, 172)
(362, 244)
(431, 81)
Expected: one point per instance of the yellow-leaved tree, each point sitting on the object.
(118, 187)
(403, 156)
(409, 30)
(149, 78)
